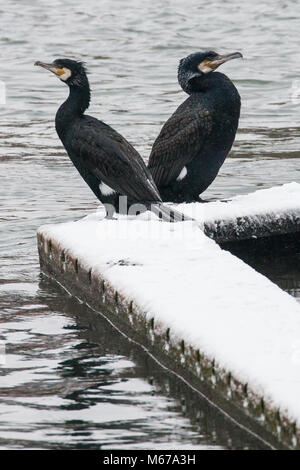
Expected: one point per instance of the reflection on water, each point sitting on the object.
(71, 381)
(66, 384)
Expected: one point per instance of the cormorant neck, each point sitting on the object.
(202, 82)
(74, 106)
(79, 97)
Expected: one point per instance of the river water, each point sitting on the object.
(64, 384)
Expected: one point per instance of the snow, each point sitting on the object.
(207, 296)
(261, 207)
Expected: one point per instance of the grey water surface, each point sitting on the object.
(69, 379)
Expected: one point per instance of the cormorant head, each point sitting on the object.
(72, 72)
(198, 65)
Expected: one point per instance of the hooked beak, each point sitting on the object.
(52, 67)
(221, 59)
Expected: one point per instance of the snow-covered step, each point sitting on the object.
(196, 307)
(264, 213)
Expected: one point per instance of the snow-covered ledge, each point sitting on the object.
(264, 213)
(196, 307)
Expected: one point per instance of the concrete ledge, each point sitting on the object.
(262, 214)
(202, 312)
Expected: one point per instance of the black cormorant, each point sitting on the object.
(194, 142)
(105, 160)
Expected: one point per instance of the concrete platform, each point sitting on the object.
(262, 214)
(226, 329)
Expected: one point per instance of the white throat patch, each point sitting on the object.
(67, 74)
(105, 189)
(182, 174)
(204, 68)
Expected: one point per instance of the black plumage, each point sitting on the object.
(105, 160)
(194, 142)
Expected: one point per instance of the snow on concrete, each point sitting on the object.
(260, 206)
(204, 294)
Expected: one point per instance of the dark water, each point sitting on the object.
(70, 380)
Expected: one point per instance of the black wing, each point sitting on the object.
(111, 159)
(179, 141)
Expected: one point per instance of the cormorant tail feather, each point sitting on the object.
(168, 214)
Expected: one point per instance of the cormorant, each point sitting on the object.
(194, 142)
(105, 160)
